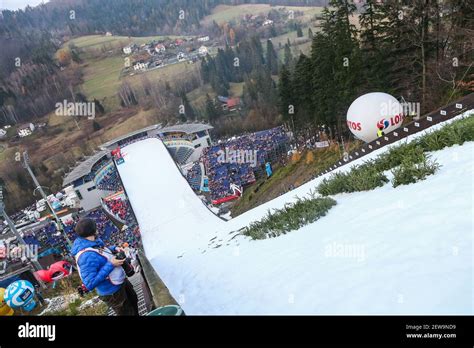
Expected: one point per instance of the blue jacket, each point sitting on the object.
(94, 268)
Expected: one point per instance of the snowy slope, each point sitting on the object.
(404, 250)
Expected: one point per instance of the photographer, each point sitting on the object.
(101, 269)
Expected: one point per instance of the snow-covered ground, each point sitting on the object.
(404, 250)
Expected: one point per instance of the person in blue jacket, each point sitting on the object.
(99, 269)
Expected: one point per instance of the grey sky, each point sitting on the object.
(18, 4)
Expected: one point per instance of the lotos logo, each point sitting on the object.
(395, 120)
(354, 125)
(383, 123)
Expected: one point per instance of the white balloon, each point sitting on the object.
(372, 110)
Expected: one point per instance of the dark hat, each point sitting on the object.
(86, 227)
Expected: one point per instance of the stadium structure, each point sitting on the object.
(92, 177)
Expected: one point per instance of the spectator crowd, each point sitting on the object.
(194, 176)
(110, 181)
(222, 174)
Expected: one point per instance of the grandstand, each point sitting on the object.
(269, 145)
(46, 236)
(194, 176)
(185, 142)
(181, 153)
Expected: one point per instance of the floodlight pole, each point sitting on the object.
(12, 227)
(26, 165)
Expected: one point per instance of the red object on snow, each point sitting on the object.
(225, 199)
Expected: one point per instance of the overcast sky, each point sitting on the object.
(19, 4)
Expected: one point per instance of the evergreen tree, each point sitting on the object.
(211, 111)
(96, 126)
(271, 58)
(336, 64)
(99, 108)
(302, 91)
(285, 92)
(188, 109)
(288, 56)
(374, 49)
(299, 31)
(273, 31)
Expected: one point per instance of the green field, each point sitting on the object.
(92, 41)
(102, 75)
(227, 13)
(170, 73)
(295, 48)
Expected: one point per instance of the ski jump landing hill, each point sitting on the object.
(404, 250)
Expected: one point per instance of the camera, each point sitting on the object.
(127, 267)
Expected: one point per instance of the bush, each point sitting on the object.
(359, 178)
(409, 172)
(457, 132)
(396, 155)
(291, 217)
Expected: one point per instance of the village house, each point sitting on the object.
(203, 51)
(267, 22)
(229, 104)
(127, 50)
(25, 129)
(140, 66)
(181, 56)
(160, 48)
(203, 39)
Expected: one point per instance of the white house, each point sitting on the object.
(203, 39)
(3, 133)
(203, 50)
(267, 22)
(160, 48)
(127, 50)
(26, 129)
(140, 66)
(181, 56)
